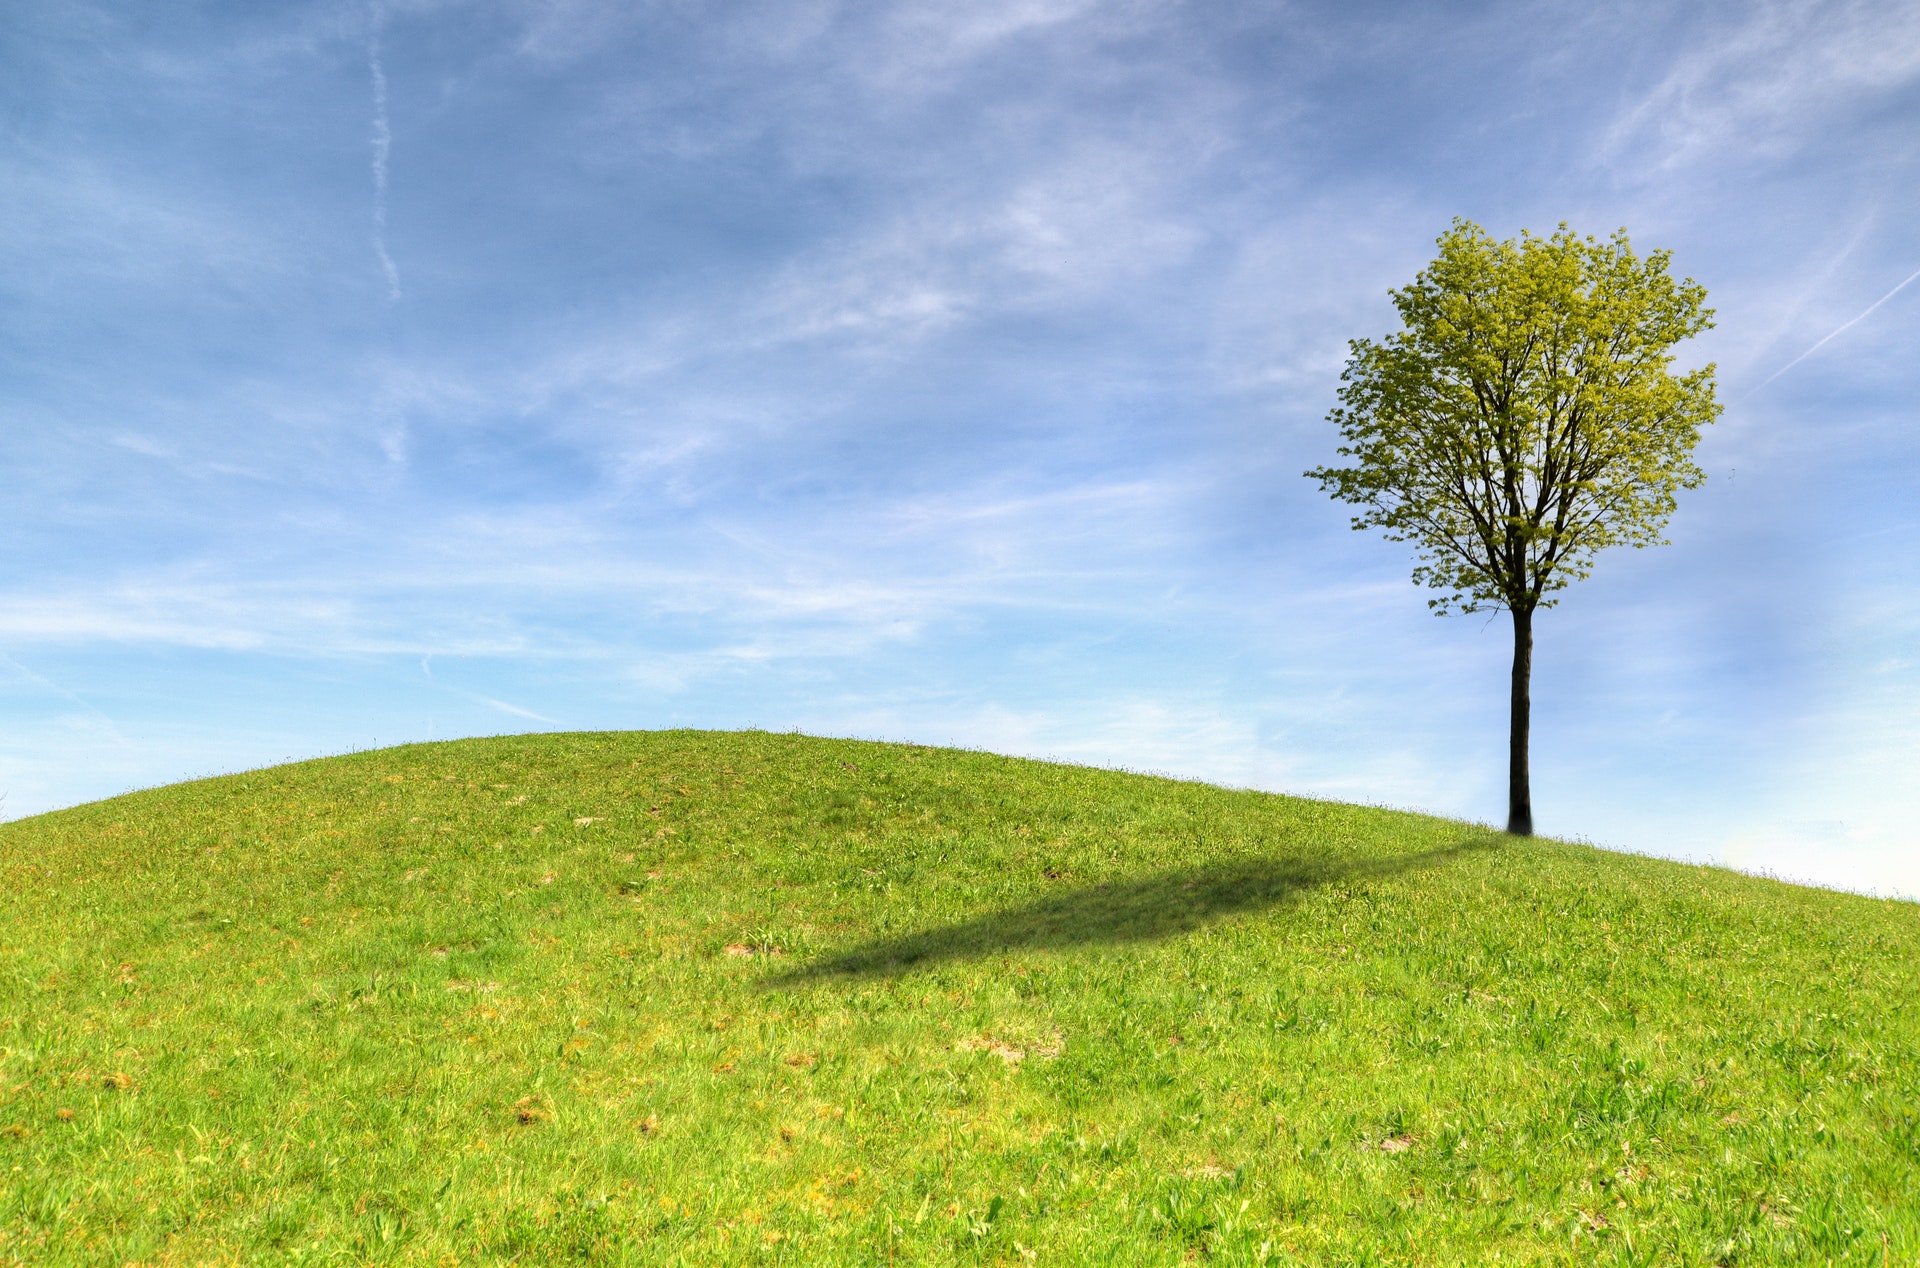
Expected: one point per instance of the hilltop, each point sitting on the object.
(663, 997)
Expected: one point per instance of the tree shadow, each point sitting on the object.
(1145, 910)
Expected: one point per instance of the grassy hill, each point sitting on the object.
(718, 998)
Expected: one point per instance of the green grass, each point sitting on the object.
(488, 1001)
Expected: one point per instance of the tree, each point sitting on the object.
(1525, 417)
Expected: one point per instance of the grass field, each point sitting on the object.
(750, 998)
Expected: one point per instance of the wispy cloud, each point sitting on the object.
(1769, 84)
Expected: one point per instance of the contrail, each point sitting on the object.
(58, 690)
(1836, 332)
(517, 711)
(382, 143)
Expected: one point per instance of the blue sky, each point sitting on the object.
(934, 372)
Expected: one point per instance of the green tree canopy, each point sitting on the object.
(1525, 417)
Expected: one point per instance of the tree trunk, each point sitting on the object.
(1519, 791)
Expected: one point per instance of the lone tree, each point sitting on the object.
(1524, 418)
